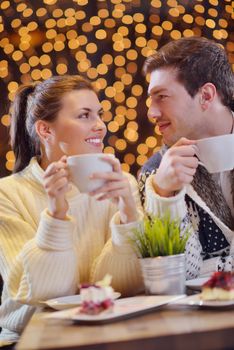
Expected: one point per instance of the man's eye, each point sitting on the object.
(101, 115)
(162, 97)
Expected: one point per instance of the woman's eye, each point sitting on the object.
(83, 116)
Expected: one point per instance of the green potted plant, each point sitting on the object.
(160, 245)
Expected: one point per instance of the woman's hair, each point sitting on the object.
(38, 101)
(196, 61)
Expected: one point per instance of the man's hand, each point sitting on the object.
(177, 168)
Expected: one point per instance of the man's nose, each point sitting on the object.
(153, 112)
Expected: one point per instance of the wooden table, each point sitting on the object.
(167, 328)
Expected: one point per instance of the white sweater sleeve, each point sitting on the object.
(157, 205)
(118, 257)
(37, 267)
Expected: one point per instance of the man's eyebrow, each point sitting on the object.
(156, 90)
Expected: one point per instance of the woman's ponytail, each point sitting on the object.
(21, 143)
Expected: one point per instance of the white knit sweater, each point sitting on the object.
(196, 266)
(42, 257)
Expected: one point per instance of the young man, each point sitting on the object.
(192, 94)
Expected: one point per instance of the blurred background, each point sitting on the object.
(106, 42)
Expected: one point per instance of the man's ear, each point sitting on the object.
(207, 94)
(43, 130)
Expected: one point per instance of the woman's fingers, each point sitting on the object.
(114, 162)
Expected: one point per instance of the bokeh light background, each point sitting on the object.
(107, 42)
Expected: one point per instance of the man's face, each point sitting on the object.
(177, 114)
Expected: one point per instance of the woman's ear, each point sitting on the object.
(43, 131)
(207, 94)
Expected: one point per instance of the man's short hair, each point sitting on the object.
(197, 61)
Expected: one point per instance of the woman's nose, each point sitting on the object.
(99, 124)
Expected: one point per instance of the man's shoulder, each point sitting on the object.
(154, 161)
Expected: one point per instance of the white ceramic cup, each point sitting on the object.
(216, 153)
(82, 166)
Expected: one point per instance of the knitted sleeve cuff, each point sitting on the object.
(157, 205)
(122, 233)
(54, 234)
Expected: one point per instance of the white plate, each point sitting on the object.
(68, 301)
(196, 284)
(196, 300)
(123, 309)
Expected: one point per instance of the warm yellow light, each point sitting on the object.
(5, 4)
(24, 68)
(101, 34)
(91, 48)
(120, 119)
(140, 41)
(188, 18)
(109, 23)
(107, 59)
(199, 8)
(6, 120)
(131, 102)
(131, 114)
(157, 30)
(119, 61)
(95, 20)
(138, 17)
(80, 15)
(61, 68)
(57, 13)
(141, 159)
(142, 148)
(106, 105)
(102, 69)
(127, 19)
(151, 141)
(132, 55)
(41, 12)
(110, 91)
(129, 158)
(46, 73)
(121, 144)
(174, 12)
(47, 47)
(156, 3)
(113, 126)
(16, 23)
(210, 23)
(167, 25)
(223, 23)
(175, 34)
(188, 33)
(34, 61)
(126, 79)
(137, 90)
(140, 28)
(36, 74)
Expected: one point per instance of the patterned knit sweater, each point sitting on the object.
(42, 257)
(203, 208)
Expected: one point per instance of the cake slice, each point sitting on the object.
(219, 287)
(97, 297)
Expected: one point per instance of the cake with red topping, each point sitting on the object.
(219, 287)
(97, 297)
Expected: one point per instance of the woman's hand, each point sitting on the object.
(56, 184)
(117, 188)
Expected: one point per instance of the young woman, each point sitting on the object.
(52, 236)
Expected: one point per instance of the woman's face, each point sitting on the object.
(78, 128)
